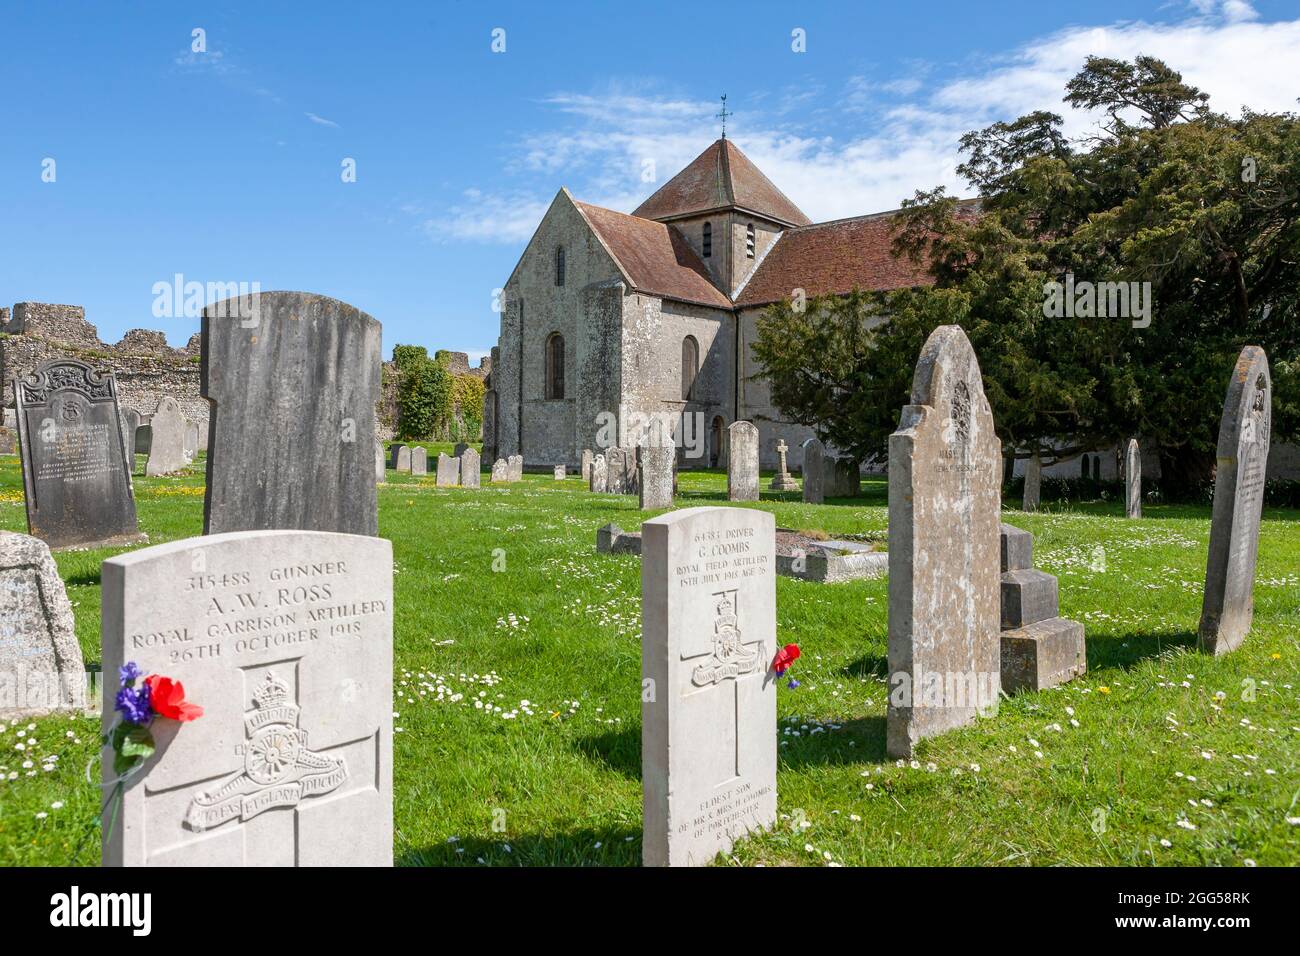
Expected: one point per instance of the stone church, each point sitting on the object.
(631, 319)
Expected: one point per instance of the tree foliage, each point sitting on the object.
(1204, 207)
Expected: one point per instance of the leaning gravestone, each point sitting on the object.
(500, 471)
(419, 460)
(742, 462)
(944, 502)
(1033, 483)
(599, 475)
(1245, 431)
(655, 473)
(285, 639)
(293, 379)
(166, 439)
(40, 660)
(470, 465)
(814, 472)
(76, 477)
(708, 712)
(448, 471)
(1132, 480)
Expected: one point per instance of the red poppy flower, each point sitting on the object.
(784, 658)
(168, 699)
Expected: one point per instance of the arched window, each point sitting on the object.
(708, 239)
(555, 366)
(690, 365)
(559, 265)
(749, 241)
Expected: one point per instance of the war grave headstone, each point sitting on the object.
(599, 475)
(1132, 480)
(285, 639)
(1040, 648)
(782, 480)
(419, 460)
(448, 474)
(41, 668)
(814, 471)
(708, 712)
(470, 466)
(500, 471)
(944, 503)
(1245, 430)
(166, 439)
(1033, 484)
(742, 462)
(76, 476)
(292, 379)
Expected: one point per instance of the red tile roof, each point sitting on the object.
(832, 257)
(654, 257)
(721, 177)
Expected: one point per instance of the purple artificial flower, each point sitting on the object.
(129, 673)
(134, 704)
(792, 684)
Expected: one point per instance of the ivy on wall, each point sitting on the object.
(433, 403)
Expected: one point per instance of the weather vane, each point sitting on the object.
(723, 115)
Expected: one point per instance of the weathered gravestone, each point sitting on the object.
(401, 458)
(1132, 480)
(843, 479)
(515, 468)
(285, 639)
(469, 468)
(620, 471)
(742, 462)
(191, 439)
(130, 424)
(500, 471)
(587, 458)
(40, 660)
(944, 502)
(460, 449)
(599, 481)
(292, 379)
(166, 439)
(1033, 483)
(814, 472)
(782, 480)
(8, 440)
(1245, 431)
(419, 460)
(655, 473)
(708, 712)
(381, 462)
(76, 476)
(557, 472)
(144, 435)
(448, 471)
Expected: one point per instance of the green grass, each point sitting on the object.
(559, 626)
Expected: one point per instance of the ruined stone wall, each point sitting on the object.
(145, 366)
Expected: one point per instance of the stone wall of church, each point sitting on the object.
(586, 311)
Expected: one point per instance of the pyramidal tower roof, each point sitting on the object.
(721, 177)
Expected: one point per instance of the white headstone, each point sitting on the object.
(285, 639)
(708, 712)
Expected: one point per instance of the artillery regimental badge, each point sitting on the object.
(278, 771)
(731, 657)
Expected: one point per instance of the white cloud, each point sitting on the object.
(902, 133)
(320, 120)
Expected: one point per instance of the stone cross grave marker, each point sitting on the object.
(944, 505)
(708, 712)
(782, 480)
(40, 660)
(76, 475)
(292, 379)
(742, 462)
(1245, 431)
(470, 466)
(285, 639)
(814, 472)
(1132, 480)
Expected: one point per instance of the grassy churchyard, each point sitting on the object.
(517, 685)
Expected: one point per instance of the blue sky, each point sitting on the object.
(224, 165)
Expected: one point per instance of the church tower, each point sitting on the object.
(727, 210)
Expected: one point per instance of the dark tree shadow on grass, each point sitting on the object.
(619, 750)
(84, 578)
(574, 848)
(832, 749)
(868, 665)
(1126, 651)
